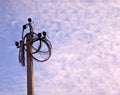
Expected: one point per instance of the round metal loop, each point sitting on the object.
(41, 47)
(43, 52)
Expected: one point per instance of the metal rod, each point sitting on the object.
(30, 75)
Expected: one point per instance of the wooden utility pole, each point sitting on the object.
(27, 41)
(30, 75)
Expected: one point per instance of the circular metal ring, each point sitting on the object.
(48, 53)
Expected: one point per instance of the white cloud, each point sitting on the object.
(85, 57)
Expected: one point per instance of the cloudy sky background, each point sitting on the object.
(85, 35)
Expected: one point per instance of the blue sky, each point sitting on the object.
(85, 35)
